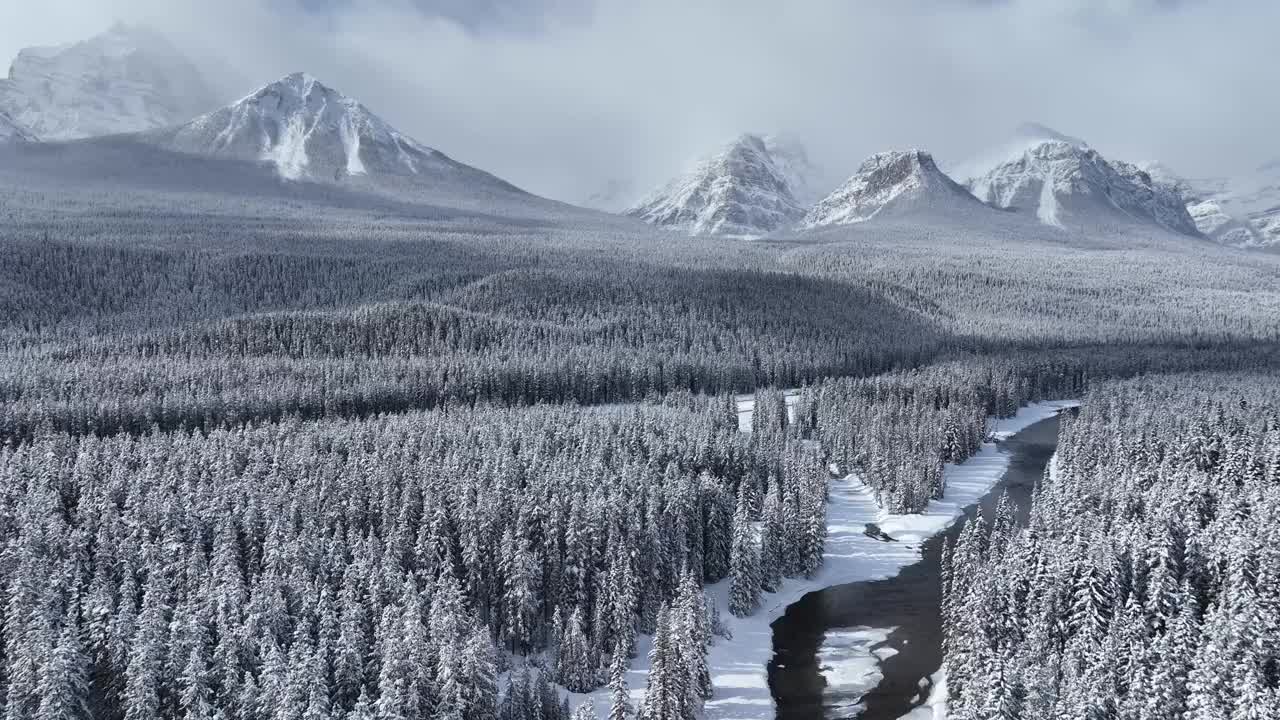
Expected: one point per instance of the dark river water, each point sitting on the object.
(909, 602)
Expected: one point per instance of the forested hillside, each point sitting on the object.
(277, 470)
(1147, 581)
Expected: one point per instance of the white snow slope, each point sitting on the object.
(891, 182)
(128, 79)
(1066, 183)
(739, 666)
(741, 191)
(306, 130)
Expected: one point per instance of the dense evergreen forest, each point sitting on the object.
(263, 570)
(264, 472)
(1146, 583)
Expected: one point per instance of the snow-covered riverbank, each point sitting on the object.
(739, 666)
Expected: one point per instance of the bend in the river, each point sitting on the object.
(909, 602)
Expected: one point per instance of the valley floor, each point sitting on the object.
(739, 666)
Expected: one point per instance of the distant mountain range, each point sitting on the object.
(130, 81)
(749, 188)
(1242, 211)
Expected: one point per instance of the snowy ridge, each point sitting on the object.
(887, 182)
(741, 191)
(1243, 212)
(128, 79)
(1220, 226)
(1064, 182)
(1162, 200)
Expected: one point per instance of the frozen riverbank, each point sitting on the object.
(739, 667)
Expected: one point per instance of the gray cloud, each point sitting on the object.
(559, 96)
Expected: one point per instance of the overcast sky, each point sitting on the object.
(561, 95)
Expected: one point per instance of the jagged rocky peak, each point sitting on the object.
(1159, 197)
(888, 183)
(128, 79)
(1065, 182)
(739, 191)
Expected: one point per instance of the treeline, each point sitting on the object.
(1147, 582)
(385, 567)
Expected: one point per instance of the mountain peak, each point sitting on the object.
(1066, 182)
(301, 80)
(127, 79)
(888, 182)
(306, 130)
(742, 190)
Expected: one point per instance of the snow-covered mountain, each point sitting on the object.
(1148, 195)
(891, 183)
(1067, 183)
(309, 131)
(1220, 226)
(128, 79)
(1242, 211)
(11, 130)
(1255, 199)
(746, 189)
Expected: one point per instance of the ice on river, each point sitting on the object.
(850, 663)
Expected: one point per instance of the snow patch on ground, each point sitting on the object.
(747, 408)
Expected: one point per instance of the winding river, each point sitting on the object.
(905, 607)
